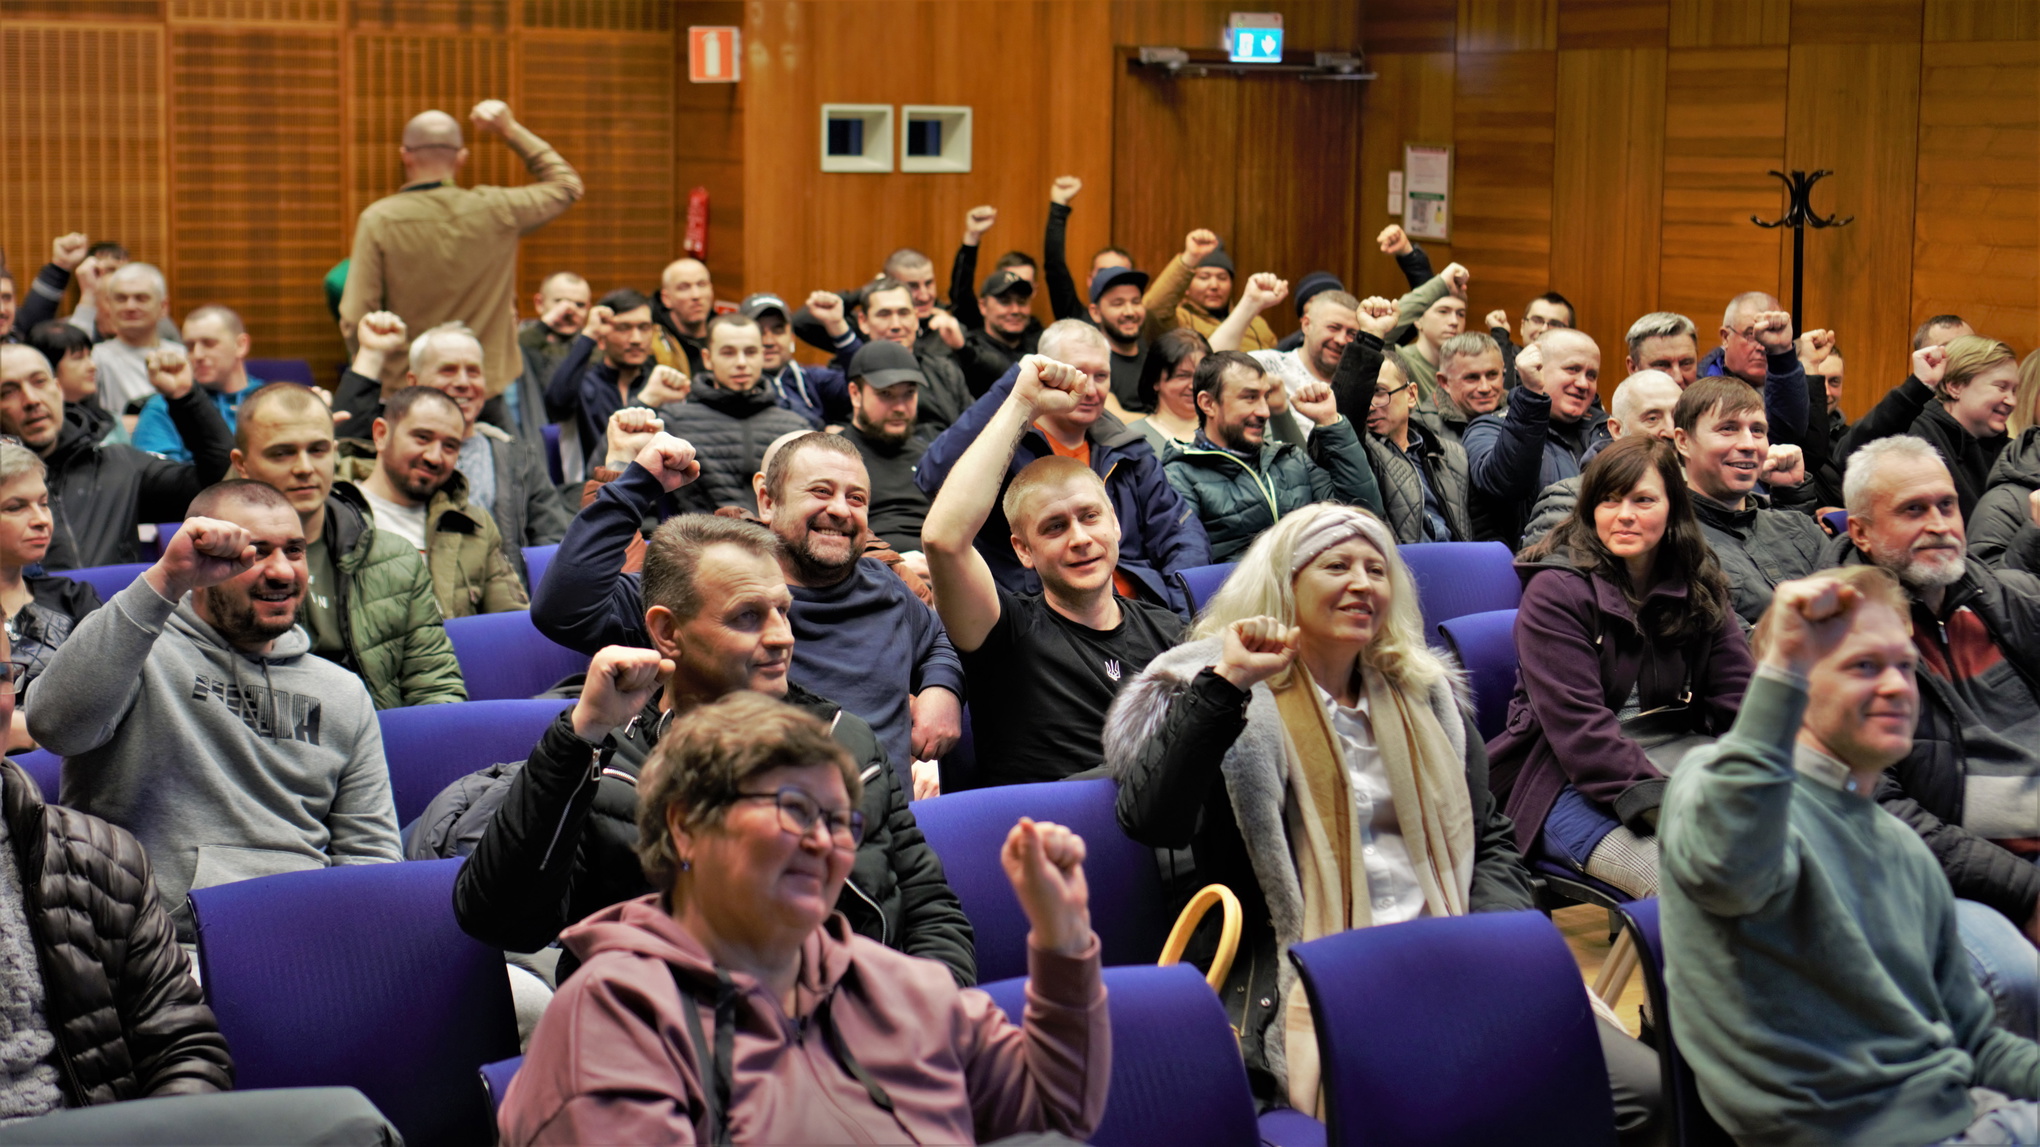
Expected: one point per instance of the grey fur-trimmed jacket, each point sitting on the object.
(1201, 764)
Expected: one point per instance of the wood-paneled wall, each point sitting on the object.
(1614, 150)
(233, 142)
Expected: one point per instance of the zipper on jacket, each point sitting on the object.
(1267, 492)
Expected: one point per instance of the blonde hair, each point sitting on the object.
(1877, 585)
(1045, 473)
(2028, 397)
(1262, 585)
(1968, 357)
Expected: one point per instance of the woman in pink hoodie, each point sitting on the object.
(736, 1007)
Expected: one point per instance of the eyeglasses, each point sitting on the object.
(1382, 396)
(798, 813)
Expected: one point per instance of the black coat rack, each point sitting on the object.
(1799, 215)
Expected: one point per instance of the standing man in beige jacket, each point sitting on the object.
(437, 252)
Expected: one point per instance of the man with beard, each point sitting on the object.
(1971, 785)
(191, 711)
(1008, 331)
(416, 491)
(611, 364)
(1116, 309)
(862, 638)
(98, 492)
(887, 315)
(885, 389)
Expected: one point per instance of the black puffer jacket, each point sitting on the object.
(729, 430)
(1969, 458)
(1926, 789)
(98, 493)
(130, 1021)
(2004, 509)
(559, 845)
(1758, 547)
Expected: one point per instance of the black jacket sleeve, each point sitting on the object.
(963, 287)
(1977, 869)
(360, 399)
(1892, 416)
(932, 923)
(167, 487)
(39, 301)
(586, 601)
(1063, 300)
(1416, 266)
(514, 891)
(1353, 383)
(809, 329)
(563, 389)
(1165, 787)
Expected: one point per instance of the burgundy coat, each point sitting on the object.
(1578, 651)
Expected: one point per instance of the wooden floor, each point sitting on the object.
(1586, 933)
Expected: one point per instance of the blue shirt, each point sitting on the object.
(155, 433)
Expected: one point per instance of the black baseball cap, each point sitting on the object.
(1111, 277)
(881, 364)
(756, 306)
(1005, 282)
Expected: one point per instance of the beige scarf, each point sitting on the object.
(1427, 780)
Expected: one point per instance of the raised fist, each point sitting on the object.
(1497, 318)
(945, 326)
(1196, 245)
(1065, 189)
(1051, 387)
(630, 431)
(1264, 290)
(1814, 348)
(666, 386)
(492, 116)
(1315, 401)
(382, 332)
(621, 679)
(670, 460)
(67, 251)
(169, 371)
(1394, 240)
(203, 552)
(1784, 465)
(1771, 329)
(826, 307)
(1377, 316)
(597, 326)
(1045, 863)
(1929, 363)
(1530, 367)
(977, 222)
(1255, 649)
(1456, 277)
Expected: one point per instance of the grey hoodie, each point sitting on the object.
(226, 765)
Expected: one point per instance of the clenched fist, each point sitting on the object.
(1196, 245)
(381, 332)
(666, 386)
(169, 371)
(1394, 240)
(977, 222)
(1377, 316)
(1065, 189)
(1255, 649)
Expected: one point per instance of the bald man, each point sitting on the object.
(436, 252)
(1549, 431)
(681, 308)
(1643, 404)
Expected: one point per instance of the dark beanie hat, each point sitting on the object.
(1315, 283)
(1219, 258)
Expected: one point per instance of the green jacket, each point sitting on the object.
(1236, 503)
(395, 637)
(463, 547)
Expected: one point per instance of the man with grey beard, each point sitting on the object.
(1971, 786)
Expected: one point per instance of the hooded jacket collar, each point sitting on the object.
(84, 426)
(734, 403)
(645, 927)
(1608, 596)
(2020, 461)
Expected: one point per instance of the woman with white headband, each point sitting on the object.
(1318, 759)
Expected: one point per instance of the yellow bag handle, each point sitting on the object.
(1228, 933)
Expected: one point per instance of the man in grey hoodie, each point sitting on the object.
(191, 712)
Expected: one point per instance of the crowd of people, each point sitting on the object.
(1779, 669)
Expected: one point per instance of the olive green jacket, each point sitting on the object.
(396, 640)
(463, 547)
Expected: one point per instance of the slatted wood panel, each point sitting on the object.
(463, 17)
(1978, 219)
(596, 99)
(395, 78)
(1854, 108)
(1981, 20)
(1856, 21)
(1410, 102)
(1613, 23)
(1507, 25)
(1504, 110)
(1606, 191)
(82, 10)
(1729, 23)
(215, 12)
(256, 209)
(81, 157)
(654, 16)
(1724, 130)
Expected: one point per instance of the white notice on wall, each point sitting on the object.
(1395, 193)
(1427, 191)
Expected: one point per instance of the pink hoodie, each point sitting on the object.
(612, 1061)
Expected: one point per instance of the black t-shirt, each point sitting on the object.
(1126, 370)
(1041, 683)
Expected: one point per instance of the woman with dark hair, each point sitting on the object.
(70, 353)
(1624, 626)
(1165, 390)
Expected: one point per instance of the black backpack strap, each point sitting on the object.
(714, 1064)
(841, 1051)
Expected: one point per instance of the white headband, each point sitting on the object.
(1336, 526)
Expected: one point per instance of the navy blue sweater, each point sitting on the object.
(865, 643)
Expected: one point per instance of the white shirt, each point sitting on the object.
(407, 522)
(1286, 365)
(1391, 875)
(123, 374)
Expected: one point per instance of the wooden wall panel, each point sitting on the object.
(1856, 21)
(81, 10)
(1976, 235)
(1724, 131)
(1410, 102)
(1507, 25)
(1729, 23)
(1981, 20)
(605, 101)
(1412, 26)
(1606, 191)
(1173, 171)
(1503, 109)
(1289, 222)
(1613, 23)
(82, 157)
(395, 78)
(654, 16)
(217, 12)
(806, 229)
(461, 17)
(1854, 108)
(256, 208)
(1307, 25)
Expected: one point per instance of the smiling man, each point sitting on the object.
(217, 343)
(1720, 430)
(1968, 423)
(885, 394)
(1471, 377)
(136, 298)
(1550, 429)
(191, 711)
(1046, 665)
(416, 491)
